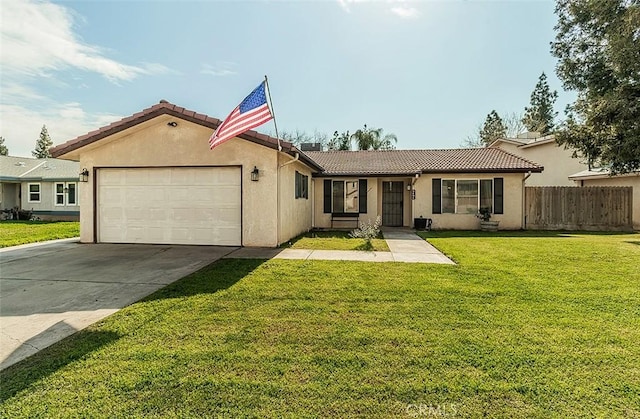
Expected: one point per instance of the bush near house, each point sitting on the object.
(533, 324)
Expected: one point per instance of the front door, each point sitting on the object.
(392, 208)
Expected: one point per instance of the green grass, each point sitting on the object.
(13, 233)
(527, 325)
(336, 240)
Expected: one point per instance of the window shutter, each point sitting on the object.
(362, 196)
(436, 196)
(327, 196)
(498, 195)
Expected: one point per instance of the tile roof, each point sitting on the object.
(166, 108)
(410, 162)
(22, 168)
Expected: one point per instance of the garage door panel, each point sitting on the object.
(170, 206)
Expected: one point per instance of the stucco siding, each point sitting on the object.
(558, 163)
(295, 213)
(513, 202)
(155, 144)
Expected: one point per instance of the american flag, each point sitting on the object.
(250, 113)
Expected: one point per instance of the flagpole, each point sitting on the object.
(266, 82)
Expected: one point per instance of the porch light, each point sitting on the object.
(408, 187)
(84, 175)
(255, 174)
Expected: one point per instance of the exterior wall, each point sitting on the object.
(631, 180)
(322, 220)
(512, 219)
(46, 208)
(295, 213)
(155, 144)
(9, 195)
(558, 163)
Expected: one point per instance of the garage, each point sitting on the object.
(169, 205)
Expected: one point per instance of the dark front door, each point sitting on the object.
(392, 208)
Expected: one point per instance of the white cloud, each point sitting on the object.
(405, 12)
(221, 68)
(64, 121)
(38, 37)
(346, 4)
(401, 10)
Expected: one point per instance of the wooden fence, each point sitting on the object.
(598, 208)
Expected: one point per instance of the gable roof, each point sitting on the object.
(411, 162)
(19, 169)
(166, 108)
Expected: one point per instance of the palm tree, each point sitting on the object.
(372, 138)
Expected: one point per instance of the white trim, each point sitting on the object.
(64, 194)
(56, 194)
(29, 193)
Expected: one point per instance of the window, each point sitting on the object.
(59, 193)
(34, 192)
(65, 194)
(72, 198)
(345, 196)
(466, 196)
(448, 196)
(302, 186)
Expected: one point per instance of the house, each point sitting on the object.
(153, 179)
(602, 177)
(557, 161)
(45, 188)
(447, 186)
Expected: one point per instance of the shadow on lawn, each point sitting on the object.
(217, 276)
(21, 375)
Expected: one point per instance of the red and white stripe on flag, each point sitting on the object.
(252, 112)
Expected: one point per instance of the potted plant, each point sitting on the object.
(484, 214)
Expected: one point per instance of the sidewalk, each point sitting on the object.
(404, 246)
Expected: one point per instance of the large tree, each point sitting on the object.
(492, 129)
(4, 151)
(598, 49)
(298, 137)
(540, 116)
(43, 144)
(372, 138)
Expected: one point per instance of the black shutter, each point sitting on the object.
(498, 195)
(436, 196)
(327, 196)
(362, 196)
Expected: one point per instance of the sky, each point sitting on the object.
(427, 71)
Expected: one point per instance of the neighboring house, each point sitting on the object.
(558, 162)
(46, 187)
(153, 179)
(602, 177)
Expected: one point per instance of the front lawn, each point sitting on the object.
(335, 240)
(527, 325)
(13, 233)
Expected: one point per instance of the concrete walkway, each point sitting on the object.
(404, 246)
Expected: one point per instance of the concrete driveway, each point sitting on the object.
(50, 291)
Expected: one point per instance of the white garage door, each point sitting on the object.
(198, 205)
